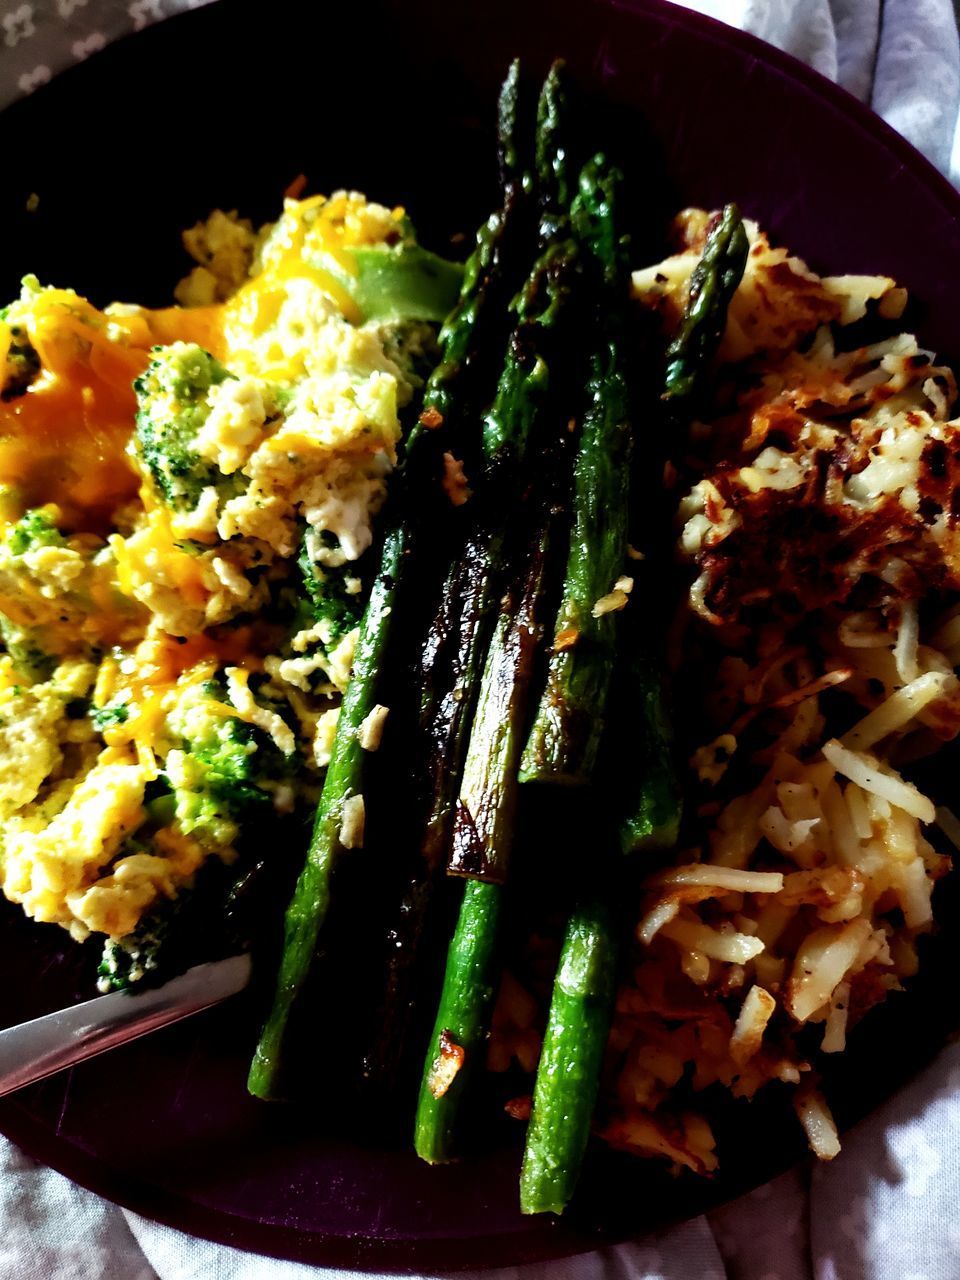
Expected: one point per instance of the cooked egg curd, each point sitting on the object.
(187, 496)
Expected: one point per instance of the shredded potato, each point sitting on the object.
(732, 947)
(814, 513)
(821, 964)
(755, 1013)
(899, 709)
(819, 1124)
(726, 878)
(868, 773)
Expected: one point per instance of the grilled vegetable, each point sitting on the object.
(485, 810)
(482, 838)
(566, 733)
(569, 1070)
(527, 404)
(712, 284)
(469, 986)
(472, 587)
(650, 795)
(568, 1075)
(341, 788)
(474, 584)
(344, 780)
(651, 789)
(453, 653)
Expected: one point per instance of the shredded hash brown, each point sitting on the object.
(819, 635)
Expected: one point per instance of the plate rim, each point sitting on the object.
(545, 1240)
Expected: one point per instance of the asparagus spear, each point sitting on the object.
(651, 789)
(578, 1024)
(469, 986)
(473, 586)
(470, 978)
(471, 589)
(455, 649)
(442, 403)
(464, 339)
(488, 792)
(485, 809)
(487, 800)
(712, 284)
(651, 799)
(308, 907)
(566, 733)
(568, 1075)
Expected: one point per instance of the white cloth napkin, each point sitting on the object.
(887, 1209)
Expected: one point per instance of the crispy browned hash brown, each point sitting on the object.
(816, 527)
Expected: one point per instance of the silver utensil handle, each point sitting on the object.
(40, 1048)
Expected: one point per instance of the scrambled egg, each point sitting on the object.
(174, 484)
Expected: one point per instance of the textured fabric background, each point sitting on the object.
(38, 38)
(887, 1210)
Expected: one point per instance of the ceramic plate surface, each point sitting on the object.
(223, 107)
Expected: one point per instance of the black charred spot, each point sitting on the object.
(935, 457)
(930, 510)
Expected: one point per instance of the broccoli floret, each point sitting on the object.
(214, 772)
(207, 789)
(225, 910)
(34, 529)
(173, 935)
(21, 366)
(321, 603)
(113, 713)
(128, 961)
(215, 787)
(24, 645)
(172, 399)
(42, 622)
(225, 754)
(396, 282)
(328, 588)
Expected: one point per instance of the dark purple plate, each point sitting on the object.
(224, 107)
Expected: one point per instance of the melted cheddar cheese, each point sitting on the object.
(140, 617)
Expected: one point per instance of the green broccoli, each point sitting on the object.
(216, 771)
(226, 909)
(320, 603)
(26, 644)
(21, 366)
(224, 756)
(33, 530)
(173, 935)
(172, 400)
(211, 789)
(332, 591)
(125, 962)
(397, 282)
(30, 660)
(113, 713)
(40, 617)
